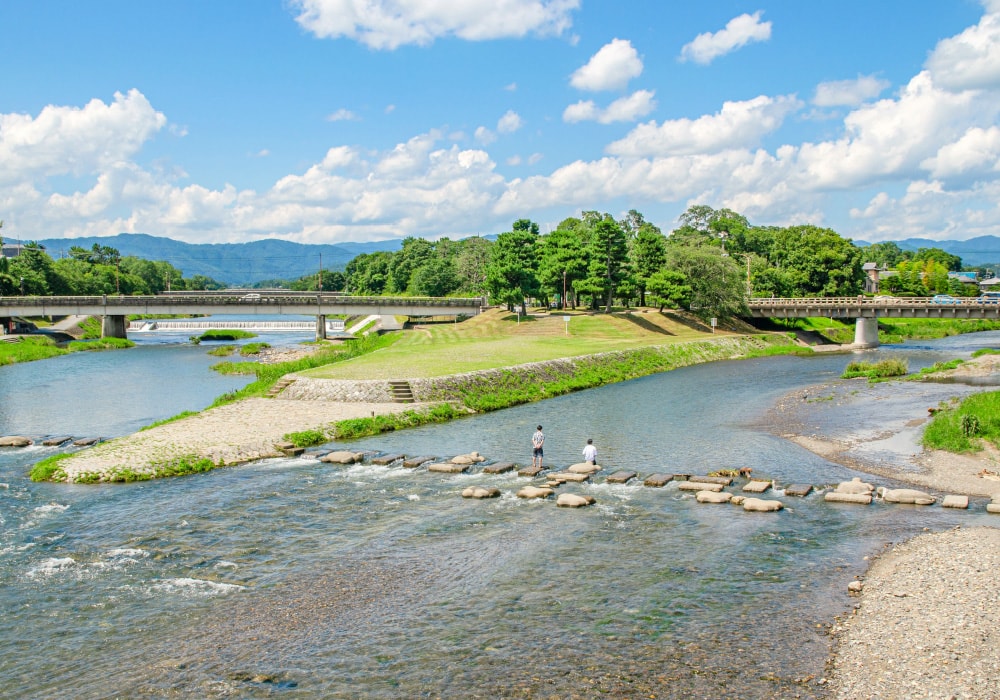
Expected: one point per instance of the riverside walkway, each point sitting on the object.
(114, 308)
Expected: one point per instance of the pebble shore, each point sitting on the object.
(927, 623)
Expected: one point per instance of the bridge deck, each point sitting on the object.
(878, 307)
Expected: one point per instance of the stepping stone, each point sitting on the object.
(909, 496)
(798, 490)
(993, 508)
(414, 462)
(14, 441)
(499, 468)
(480, 492)
(698, 486)
(756, 486)
(56, 441)
(583, 468)
(759, 505)
(292, 451)
(713, 497)
(448, 468)
(574, 500)
(341, 457)
(534, 492)
(387, 459)
(568, 476)
(86, 442)
(954, 501)
(838, 497)
(681, 477)
(724, 480)
(620, 477)
(657, 480)
(530, 471)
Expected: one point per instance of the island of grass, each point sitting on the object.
(224, 334)
(28, 348)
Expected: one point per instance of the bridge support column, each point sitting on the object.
(321, 327)
(113, 326)
(866, 332)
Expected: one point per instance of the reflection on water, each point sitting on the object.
(295, 578)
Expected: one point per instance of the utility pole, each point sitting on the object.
(564, 291)
(319, 280)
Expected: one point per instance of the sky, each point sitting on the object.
(326, 121)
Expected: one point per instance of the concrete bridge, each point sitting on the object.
(868, 310)
(114, 308)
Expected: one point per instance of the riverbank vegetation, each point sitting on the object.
(876, 371)
(964, 426)
(38, 347)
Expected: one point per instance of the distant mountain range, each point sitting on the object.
(984, 250)
(242, 264)
(235, 264)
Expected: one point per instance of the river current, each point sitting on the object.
(293, 578)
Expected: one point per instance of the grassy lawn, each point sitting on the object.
(497, 339)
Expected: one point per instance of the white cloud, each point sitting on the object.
(972, 59)
(388, 24)
(510, 122)
(512, 87)
(737, 124)
(738, 32)
(849, 93)
(484, 135)
(389, 109)
(514, 160)
(611, 68)
(624, 109)
(976, 153)
(343, 115)
(72, 140)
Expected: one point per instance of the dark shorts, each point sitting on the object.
(537, 452)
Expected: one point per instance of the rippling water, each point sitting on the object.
(295, 578)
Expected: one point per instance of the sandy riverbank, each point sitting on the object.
(232, 434)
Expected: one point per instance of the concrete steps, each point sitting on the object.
(280, 386)
(401, 392)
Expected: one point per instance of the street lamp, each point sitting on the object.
(724, 235)
(22, 286)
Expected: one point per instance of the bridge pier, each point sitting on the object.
(321, 327)
(113, 326)
(866, 332)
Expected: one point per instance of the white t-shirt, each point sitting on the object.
(590, 453)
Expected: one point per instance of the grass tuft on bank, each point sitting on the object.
(29, 348)
(963, 427)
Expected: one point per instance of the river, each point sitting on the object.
(292, 578)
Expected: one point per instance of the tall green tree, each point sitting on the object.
(511, 276)
(670, 288)
(649, 255)
(717, 283)
(471, 262)
(563, 263)
(608, 257)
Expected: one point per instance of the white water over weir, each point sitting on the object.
(140, 326)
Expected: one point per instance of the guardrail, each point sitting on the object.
(250, 299)
(899, 302)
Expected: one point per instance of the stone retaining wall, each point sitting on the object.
(451, 387)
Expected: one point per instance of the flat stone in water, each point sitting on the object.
(954, 501)
(14, 441)
(414, 462)
(620, 477)
(86, 442)
(724, 480)
(56, 441)
(756, 486)
(447, 468)
(658, 480)
(530, 471)
(387, 459)
(698, 486)
(499, 468)
(798, 490)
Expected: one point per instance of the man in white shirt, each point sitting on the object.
(590, 452)
(537, 441)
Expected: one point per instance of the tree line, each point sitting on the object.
(710, 264)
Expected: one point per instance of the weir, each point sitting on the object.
(328, 326)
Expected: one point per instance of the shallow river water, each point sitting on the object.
(292, 578)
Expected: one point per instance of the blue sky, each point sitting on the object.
(323, 121)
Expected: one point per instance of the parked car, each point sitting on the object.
(944, 299)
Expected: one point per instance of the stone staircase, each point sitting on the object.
(279, 386)
(401, 392)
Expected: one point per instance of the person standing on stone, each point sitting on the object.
(590, 452)
(537, 441)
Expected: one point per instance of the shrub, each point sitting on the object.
(306, 438)
(874, 371)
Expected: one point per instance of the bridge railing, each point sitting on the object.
(896, 302)
(241, 300)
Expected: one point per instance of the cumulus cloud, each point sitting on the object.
(975, 153)
(484, 135)
(611, 68)
(849, 93)
(738, 32)
(625, 109)
(737, 124)
(970, 60)
(73, 140)
(510, 122)
(388, 24)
